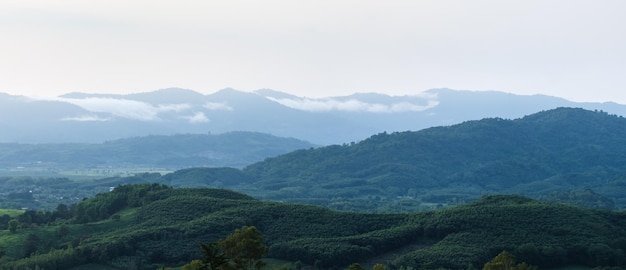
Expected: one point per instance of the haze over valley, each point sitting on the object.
(96, 118)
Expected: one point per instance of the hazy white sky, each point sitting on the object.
(568, 48)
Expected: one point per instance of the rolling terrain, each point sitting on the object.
(564, 155)
(544, 155)
(149, 226)
(563, 158)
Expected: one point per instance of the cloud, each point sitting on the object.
(173, 107)
(353, 105)
(217, 106)
(125, 108)
(198, 117)
(87, 118)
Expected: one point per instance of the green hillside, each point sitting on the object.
(150, 225)
(553, 155)
(564, 155)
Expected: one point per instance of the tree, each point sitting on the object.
(31, 245)
(194, 265)
(506, 261)
(212, 257)
(241, 250)
(13, 225)
(356, 266)
(63, 231)
(244, 248)
(62, 211)
(378, 266)
(503, 261)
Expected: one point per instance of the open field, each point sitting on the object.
(11, 212)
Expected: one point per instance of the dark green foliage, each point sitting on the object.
(564, 155)
(541, 155)
(244, 248)
(30, 245)
(207, 177)
(212, 256)
(162, 226)
(542, 234)
(356, 266)
(506, 261)
(12, 225)
(105, 204)
(585, 198)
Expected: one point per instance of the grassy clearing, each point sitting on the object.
(9, 240)
(11, 212)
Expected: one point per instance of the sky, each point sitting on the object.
(565, 48)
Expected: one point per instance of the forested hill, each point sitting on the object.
(562, 154)
(149, 226)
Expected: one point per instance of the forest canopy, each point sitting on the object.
(152, 225)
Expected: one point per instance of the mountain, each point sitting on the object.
(95, 118)
(233, 149)
(545, 155)
(566, 155)
(150, 226)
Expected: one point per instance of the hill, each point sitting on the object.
(233, 149)
(95, 118)
(549, 154)
(564, 155)
(148, 226)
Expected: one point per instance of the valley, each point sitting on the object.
(548, 188)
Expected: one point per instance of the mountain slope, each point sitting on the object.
(563, 155)
(95, 118)
(552, 151)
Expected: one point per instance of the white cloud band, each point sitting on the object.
(353, 105)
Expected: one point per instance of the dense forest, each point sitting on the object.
(564, 154)
(147, 226)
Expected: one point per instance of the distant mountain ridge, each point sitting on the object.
(233, 149)
(95, 118)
